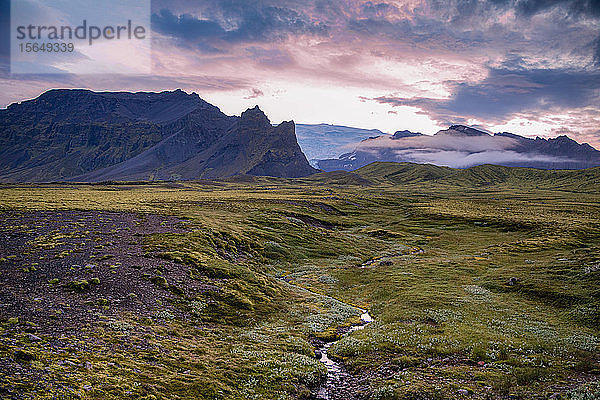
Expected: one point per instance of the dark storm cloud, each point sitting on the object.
(596, 47)
(377, 9)
(236, 22)
(524, 8)
(458, 25)
(572, 7)
(214, 26)
(505, 93)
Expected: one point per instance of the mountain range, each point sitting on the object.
(85, 136)
(460, 146)
(80, 135)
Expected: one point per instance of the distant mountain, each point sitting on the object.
(324, 141)
(403, 134)
(82, 135)
(460, 146)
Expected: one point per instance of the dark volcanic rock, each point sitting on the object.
(405, 133)
(88, 136)
(22, 355)
(461, 130)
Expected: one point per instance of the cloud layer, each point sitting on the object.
(461, 159)
(504, 93)
(452, 149)
(527, 66)
(240, 22)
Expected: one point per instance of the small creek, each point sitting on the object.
(336, 375)
(339, 383)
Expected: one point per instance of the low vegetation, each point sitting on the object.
(223, 290)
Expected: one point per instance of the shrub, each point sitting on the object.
(82, 285)
(164, 314)
(588, 391)
(197, 307)
(327, 279)
(159, 280)
(527, 375)
(384, 393)
(479, 353)
(78, 286)
(22, 355)
(274, 250)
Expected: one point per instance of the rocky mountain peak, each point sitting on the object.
(404, 133)
(462, 130)
(87, 136)
(255, 113)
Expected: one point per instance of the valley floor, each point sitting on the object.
(224, 289)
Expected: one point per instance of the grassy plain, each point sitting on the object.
(484, 283)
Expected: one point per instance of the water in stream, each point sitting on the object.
(337, 377)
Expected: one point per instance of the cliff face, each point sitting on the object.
(275, 150)
(88, 136)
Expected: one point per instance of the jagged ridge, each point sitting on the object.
(89, 136)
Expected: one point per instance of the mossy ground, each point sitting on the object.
(187, 299)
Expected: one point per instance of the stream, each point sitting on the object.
(340, 385)
(336, 375)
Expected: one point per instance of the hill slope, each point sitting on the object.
(390, 173)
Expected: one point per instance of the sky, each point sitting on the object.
(530, 67)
